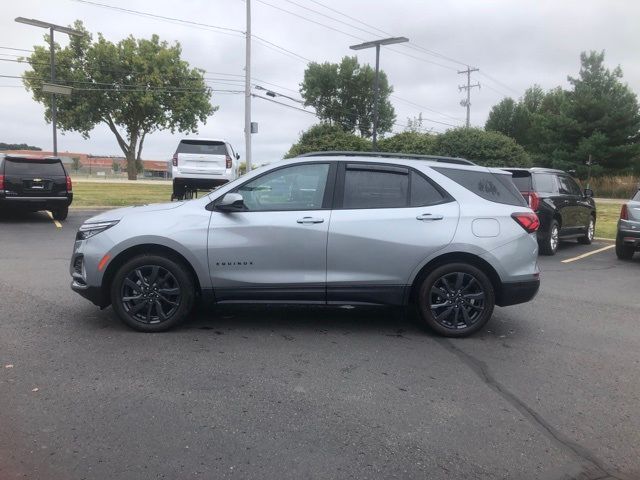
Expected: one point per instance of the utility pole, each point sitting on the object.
(54, 104)
(468, 87)
(247, 90)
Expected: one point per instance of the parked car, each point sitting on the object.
(628, 237)
(564, 209)
(202, 164)
(35, 183)
(451, 238)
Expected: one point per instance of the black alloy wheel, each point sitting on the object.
(152, 293)
(456, 300)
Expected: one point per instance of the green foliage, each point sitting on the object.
(115, 166)
(408, 142)
(492, 149)
(18, 146)
(76, 163)
(343, 95)
(134, 86)
(325, 137)
(598, 116)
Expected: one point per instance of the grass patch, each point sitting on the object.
(607, 221)
(90, 194)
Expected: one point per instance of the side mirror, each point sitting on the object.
(231, 202)
(588, 192)
(237, 156)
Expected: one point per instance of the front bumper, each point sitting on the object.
(513, 293)
(93, 294)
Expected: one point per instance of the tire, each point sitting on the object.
(455, 300)
(60, 214)
(141, 302)
(178, 191)
(591, 230)
(623, 252)
(549, 245)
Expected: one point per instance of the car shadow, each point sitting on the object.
(23, 216)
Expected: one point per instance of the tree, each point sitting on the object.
(324, 137)
(135, 87)
(76, 164)
(606, 114)
(18, 146)
(115, 166)
(408, 142)
(598, 116)
(491, 149)
(343, 94)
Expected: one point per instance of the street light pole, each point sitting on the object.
(247, 91)
(376, 86)
(52, 50)
(54, 105)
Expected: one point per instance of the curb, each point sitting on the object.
(601, 239)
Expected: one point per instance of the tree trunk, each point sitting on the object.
(132, 169)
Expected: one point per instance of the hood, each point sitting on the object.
(120, 213)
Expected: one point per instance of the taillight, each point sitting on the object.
(174, 161)
(527, 220)
(1, 182)
(69, 184)
(533, 200)
(229, 162)
(624, 213)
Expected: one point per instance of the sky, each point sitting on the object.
(514, 43)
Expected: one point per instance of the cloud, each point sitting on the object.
(516, 43)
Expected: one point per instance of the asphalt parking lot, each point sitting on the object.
(549, 389)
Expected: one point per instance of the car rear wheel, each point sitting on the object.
(623, 252)
(152, 294)
(60, 213)
(456, 300)
(591, 230)
(549, 245)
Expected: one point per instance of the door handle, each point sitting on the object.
(310, 220)
(428, 217)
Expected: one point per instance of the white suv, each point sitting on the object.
(202, 164)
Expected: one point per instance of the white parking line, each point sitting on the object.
(55, 222)
(579, 257)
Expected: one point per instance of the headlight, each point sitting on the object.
(88, 230)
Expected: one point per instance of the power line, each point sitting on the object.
(162, 17)
(499, 83)
(425, 108)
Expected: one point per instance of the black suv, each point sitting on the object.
(565, 211)
(35, 183)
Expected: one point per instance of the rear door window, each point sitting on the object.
(493, 187)
(34, 167)
(202, 147)
(424, 193)
(568, 186)
(636, 196)
(374, 187)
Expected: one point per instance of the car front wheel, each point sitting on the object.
(456, 300)
(152, 293)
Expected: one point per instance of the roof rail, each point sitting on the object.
(433, 158)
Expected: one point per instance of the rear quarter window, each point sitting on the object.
(636, 197)
(203, 147)
(33, 167)
(545, 182)
(496, 188)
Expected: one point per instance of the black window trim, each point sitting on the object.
(326, 199)
(338, 194)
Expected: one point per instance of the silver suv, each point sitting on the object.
(446, 236)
